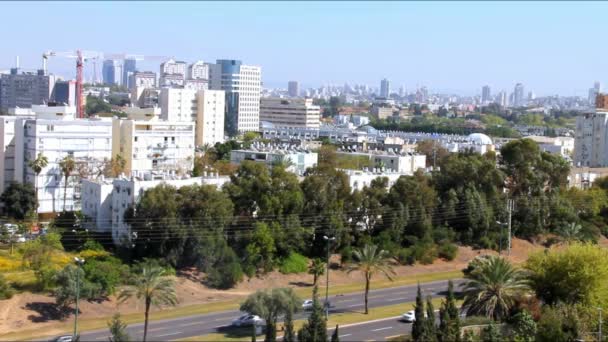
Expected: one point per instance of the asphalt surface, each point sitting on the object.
(219, 322)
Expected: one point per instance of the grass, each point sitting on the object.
(100, 323)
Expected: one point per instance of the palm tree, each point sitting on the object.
(492, 288)
(37, 165)
(371, 260)
(317, 269)
(571, 232)
(67, 165)
(154, 288)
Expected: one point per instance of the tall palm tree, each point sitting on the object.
(492, 288)
(371, 260)
(154, 288)
(37, 165)
(67, 165)
(317, 269)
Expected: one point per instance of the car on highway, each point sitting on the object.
(410, 316)
(307, 304)
(247, 320)
(65, 338)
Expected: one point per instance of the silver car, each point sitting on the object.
(247, 320)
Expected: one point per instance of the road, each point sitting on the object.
(196, 325)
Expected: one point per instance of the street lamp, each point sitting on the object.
(79, 262)
(328, 239)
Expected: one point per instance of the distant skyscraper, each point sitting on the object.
(501, 98)
(485, 94)
(112, 72)
(385, 88)
(402, 91)
(518, 95)
(293, 88)
(597, 88)
(531, 96)
(129, 68)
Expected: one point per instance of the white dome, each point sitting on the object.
(480, 138)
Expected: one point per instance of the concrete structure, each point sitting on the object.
(486, 95)
(358, 179)
(64, 93)
(353, 121)
(299, 159)
(105, 201)
(210, 115)
(594, 92)
(172, 73)
(385, 88)
(382, 112)
(404, 163)
(242, 85)
(129, 68)
(293, 88)
(142, 79)
(591, 139)
(25, 89)
(178, 104)
(145, 97)
(147, 143)
(11, 127)
(198, 71)
(198, 84)
(290, 112)
(112, 72)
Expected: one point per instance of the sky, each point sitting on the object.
(550, 47)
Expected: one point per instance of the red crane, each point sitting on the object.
(79, 95)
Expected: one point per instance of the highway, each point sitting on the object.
(218, 322)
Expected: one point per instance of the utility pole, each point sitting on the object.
(510, 212)
(79, 263)
(328, 239)
(599, 331)
(434, 155)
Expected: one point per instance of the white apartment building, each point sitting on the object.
(55, 133)
(198, 84)
(178, 104)
(149, 144)
(198, 70)
(290, 112)
(591, 140)
(210, 117)
(358, 179)
(172, 73)
(142, 79)
(403, 163)
(242, 85)
(105, 201)
(299, 159)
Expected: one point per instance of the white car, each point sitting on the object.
(247, 320)
(410, 316)
(65, 338)
(307, 304)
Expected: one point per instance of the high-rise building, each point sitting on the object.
(518, 95)
(242, 85)
(112, 72)
(172, 73)
(129, 68)
(65, 93)
(198, 70)
(501, 98)
(385, 88)
(293, 88)
(531, 96)
(178, 104)
(290, 113)
(142, 79)
(210, 117)
(593, 92)
(25, 89)
(485, 94)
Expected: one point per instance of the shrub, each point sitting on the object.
(226, 271)
(8, 264)
(88, 254)
(448, 251)
(476, 320)
(294, 263)
(405, 256)
(425, 253)
(6, 291)
(487, 243)
(92, 245)
(346, 255)
(106, 274)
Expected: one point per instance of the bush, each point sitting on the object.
(405, 256)
(346, 255)
(226, 271)
(476, 320)
(92, 245)
(487, 243)
(6, 291)
(106, 274)
(294, 263)
(425, 253)
(448, 251)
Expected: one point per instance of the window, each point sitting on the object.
(135, 139)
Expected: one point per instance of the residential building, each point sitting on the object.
(142, 79)
(178, 104)
(486, 95)
(11, 127)
(385, 88)
(198, 70)
(242, 85)
(145, 97)
(382, 112)
(290, 112)
(129, 68)
(591, 139)
(105, 201)
(172, 73)
(171, 80)
(293, 88)
(404, 163)
(518, 95)
(25, 89)
(298, 159)
(147, 143)
(64, 93)
(112, 72)
(210, 116)
(359, 179)
(198, 84)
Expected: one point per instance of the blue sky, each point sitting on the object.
(551, 47)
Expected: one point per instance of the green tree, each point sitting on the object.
(419, 326)
(575, 274)
(492, 288)
(154, 288)
(315, 329)
(449, 318)
(6, 292)
(370, 260)
(261, 249)
(524, 327)
(430, 330)
(290, 334)
(118, 329)
(491, 333)
(317, 269)
(335, 337)
(70, 281)
(270, 305)
(37, 165)
(19, 200)
(67, 166)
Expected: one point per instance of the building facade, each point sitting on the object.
(178, 104)
(385, 88)
(210, 115)
(591, 140)
(25, 89)
(172, 73)
(290, 112)
(293, 88)
(64, 93)
(485, 94)
(299, 160)
(112, 72)
(198, 70)
(142, 79)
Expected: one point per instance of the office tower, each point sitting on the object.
(593, 92)
(485, 94)
(518, 95)
(242, 85)
(64, 93)
(112, 72)
(402, 91)
(290, 113)
(25, 89)
(129, 68)
(531, 96)
(385, 88)
(172, 73)
(293, 88)
(501, 98)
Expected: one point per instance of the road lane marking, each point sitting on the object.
(352, 306)
(395, 299)
(385, 328)
(348, 300)
(175, 333)
(392, 337)
(157, 329)
(189, 324)
(345, 335)
(102, 338)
